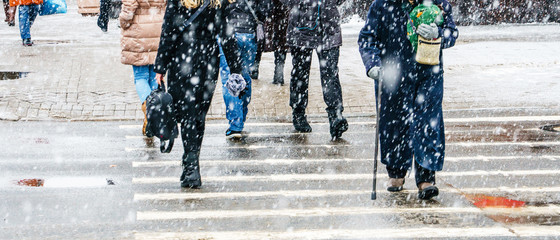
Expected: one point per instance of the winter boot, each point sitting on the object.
(427, 191)
(338, 124)
(300, 122)
(395, 184)
(145, 132)
(191, 171)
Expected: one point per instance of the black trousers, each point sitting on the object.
(332, 92)
(421, 174)
(279, 61)
(103, 19)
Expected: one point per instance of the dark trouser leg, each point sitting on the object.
(332, 92)
(279, 60)
(300, 79)
(255, 70)
(299, 86)
(424, 175)
(103, 19)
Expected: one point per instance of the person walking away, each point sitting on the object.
(103, 18)
(411, 120)
(10, 12)
(275, 26)
(141, 22)
(315, 25)
(244, 24)
(189, 56)
(28, 11)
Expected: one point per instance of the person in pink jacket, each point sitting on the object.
(141, 22)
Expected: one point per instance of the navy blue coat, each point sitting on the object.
(383, 38)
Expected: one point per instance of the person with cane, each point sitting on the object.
(409, 89)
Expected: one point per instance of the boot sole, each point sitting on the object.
(428, 193)
(395, 189)
(234, 136)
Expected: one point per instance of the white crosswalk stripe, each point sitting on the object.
(387, 233)
(163, 209)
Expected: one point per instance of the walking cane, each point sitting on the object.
(378, 105)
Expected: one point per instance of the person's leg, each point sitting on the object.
(279, 60)
(428, 129)
(255, 70)
(103, 19)
(142, 81)
(248, 48)
(152, 79)
(33, 12)
(234, 105)
(24, 26)
(332, 91)
(11, 14)
(143, 89)
(299, 87)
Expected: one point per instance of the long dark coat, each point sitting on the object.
(275, 26)
(311, 26)
(190, 57)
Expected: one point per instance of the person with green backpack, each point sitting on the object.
(401, 45)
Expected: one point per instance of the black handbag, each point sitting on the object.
(161, 118)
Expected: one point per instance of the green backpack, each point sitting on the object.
(422, 14)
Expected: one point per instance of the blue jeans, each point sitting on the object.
(145, 80)
(27, 15)
(236, 108)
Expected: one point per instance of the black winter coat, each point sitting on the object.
(181, 50)
(314, 23)
(275, 26)
(239, 15)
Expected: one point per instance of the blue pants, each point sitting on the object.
(27, 15)
(411, 120)
(144, 80)
(236, 108)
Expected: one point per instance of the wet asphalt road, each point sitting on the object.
(500, 181)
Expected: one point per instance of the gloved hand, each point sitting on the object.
(373, 73)
(428, 31)
(235, 84)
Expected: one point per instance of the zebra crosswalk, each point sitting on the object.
(294, 189)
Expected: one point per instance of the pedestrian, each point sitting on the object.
(315, 25)
(243, 17)
(141, 27)
(28, 11)
(410, 112)
(275, 26)
(10, 12)
(190, 56)
(103, 18)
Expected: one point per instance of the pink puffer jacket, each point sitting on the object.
(141, 22)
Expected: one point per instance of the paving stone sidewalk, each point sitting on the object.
(75, 74)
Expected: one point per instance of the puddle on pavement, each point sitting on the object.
(487, 202)
(12, 75)
(483, 201)
(31, 182)
(66, 182)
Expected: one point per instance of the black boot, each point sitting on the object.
(191, 171)
(338, 124)
(300, 122)
(278, 75)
